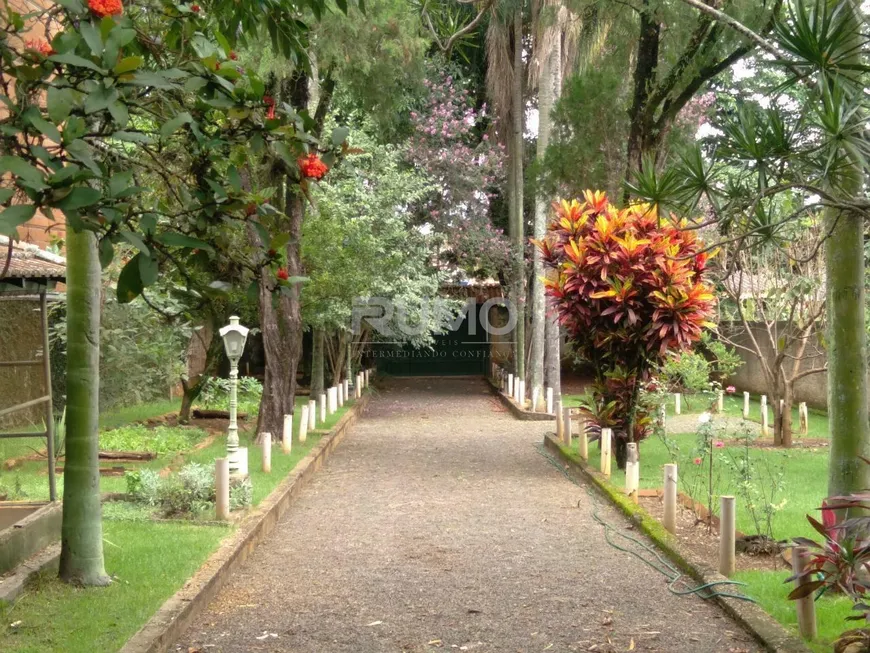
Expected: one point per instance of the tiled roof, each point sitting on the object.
(31, 262)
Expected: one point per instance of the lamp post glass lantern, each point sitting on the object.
(234, 336)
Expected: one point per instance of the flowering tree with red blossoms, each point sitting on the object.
(629, 289)
(467, 167)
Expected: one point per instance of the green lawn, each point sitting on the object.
(769, 590)
(148, 560)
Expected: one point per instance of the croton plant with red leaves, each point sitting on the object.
(628, 287)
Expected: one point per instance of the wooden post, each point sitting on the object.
(242, 457)
(322, 406)
(303, 424)
(332, 400)
(347, 389)
(727, 525)
(632, 472)
(720, 403)
(745, 405)
(266, 442)
(549, 401)
(764, 430)
(677, 407)
(583, 440)
(670, 519)
(521, 395)
(535, 392)
(222, 488)
(763, 402)
(510, 385)
(312, 415)
(287, 434)
(606, 443)
(566, 426)
(804, 418)
(806, 607)
(339, 392)
(560, 427)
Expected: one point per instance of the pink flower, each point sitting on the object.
(697, 461)
(719, 444)
(730, 389)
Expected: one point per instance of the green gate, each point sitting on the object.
(455, 353)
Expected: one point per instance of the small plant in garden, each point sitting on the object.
(759, 484)
(142, 486)
(706, 475)
(159, 440)
(630, 289)
(241, 493)
(191, 491)
(216, 394)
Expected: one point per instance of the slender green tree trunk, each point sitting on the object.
(549, 60)
(847, 362)
(317, 363)
(81, 554)
(516, 204)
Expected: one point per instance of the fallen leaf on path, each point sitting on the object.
(607, 621)
(375, 623)
(631, 644)
(434, 642)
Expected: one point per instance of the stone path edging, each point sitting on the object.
(164, 627)
(515, 409)
(753, 618)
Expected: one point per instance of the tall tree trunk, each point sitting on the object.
(515, 189)
(281, 327)
(549, 61)
(647, 59)
(81, 553)
(317, 386)
(847, 362)
(200, 369)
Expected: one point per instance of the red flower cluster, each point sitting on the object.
(103, 8)
(233, 55)
(40, 46)
(269, 101)
(282, 274)
(312, 167)
(194, 8)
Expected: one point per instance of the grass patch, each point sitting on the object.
(138, 413)
(769, 590)
(149, 562)
(159, 440)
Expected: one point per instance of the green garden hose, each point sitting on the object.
(652, 557)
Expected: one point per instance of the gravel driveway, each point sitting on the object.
(437, 525)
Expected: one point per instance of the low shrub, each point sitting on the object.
(241, 494)
(142, 486)
(159, 440)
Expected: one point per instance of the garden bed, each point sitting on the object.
(148, 558)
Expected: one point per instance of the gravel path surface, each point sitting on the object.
(437, 525)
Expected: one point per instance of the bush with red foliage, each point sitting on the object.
(629, 288)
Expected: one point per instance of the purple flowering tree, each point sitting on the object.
(450, 145)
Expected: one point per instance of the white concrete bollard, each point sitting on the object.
(266, 444)
(222, 488)
(522, 394)
(549, 401)
(323, 407)
(632, 473)
(804, 418)
(745, 405)
(781, 408)
(670, 490)
(806, 607)
(340, 393)
(560, 426)
(347, 390)
(312, 415)
(720, 403)
(566, 426)
(535, 392)
(303, 424)
(677, 406)
(727, 535)
(765, 431)
(242, 454)
(332, 400)
(510, 385)
(763, 402)
(368, 378)
(606, 444)
(287, 434)
(583, 440)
